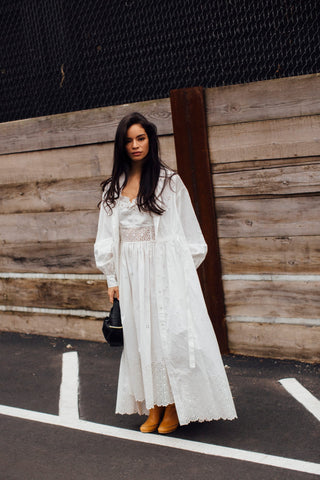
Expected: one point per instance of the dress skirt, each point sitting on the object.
(170, 352)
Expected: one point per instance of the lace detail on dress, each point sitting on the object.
(205, 408)
(162, 394)
(155, 391)
(125, 202)
(140, 234)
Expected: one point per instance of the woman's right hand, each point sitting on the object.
(113, 292)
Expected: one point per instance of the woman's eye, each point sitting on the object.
(141, 139)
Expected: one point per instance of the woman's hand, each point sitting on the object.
(113, 292)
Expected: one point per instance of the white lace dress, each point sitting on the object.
(170, 351)
(144, 377)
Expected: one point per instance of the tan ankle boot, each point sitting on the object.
(170, 420)
(152, 423)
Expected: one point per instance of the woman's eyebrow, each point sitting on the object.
(138, 136)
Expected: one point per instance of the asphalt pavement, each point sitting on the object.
(270, 420)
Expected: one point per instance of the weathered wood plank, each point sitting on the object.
(85, 161)
(54, 293)
(52, 325)
(277, 298)
(78, 226)
(56, 195)
(294, 342)
(293, 255)
(236, 218)
(68, 163)
(264, 100)
(78, 128)
(283, 138)
(268, 217)
(168, 152)
(271, 181)
(263, 164)
(48, 257)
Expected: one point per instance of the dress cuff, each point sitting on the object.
(112, 281)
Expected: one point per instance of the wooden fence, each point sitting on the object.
(264, 141)
(265, 152)
(50, 174)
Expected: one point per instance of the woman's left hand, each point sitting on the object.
(113, 292)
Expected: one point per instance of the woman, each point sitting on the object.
(149, 245)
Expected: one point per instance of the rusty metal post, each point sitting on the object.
(191, 143)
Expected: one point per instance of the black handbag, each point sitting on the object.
(112, 326)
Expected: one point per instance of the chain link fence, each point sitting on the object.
(60, 56)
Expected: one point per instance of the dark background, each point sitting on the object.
(116, 51)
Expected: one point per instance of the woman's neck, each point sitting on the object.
(132, 187)
(136, 170)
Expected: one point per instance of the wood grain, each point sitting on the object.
(263, 164)
(292, 255)
(272, 181)
(68, 163)
(48, 257)
(277, 298)
(64, 326)
(80, 226)
(283, 138)
(293, 216)
(60, 164)
(78, 128)
(264, 100)
(54, 293)
(294, 342)
(168, 152)
(53, 196)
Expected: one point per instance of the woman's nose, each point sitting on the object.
(134, 143)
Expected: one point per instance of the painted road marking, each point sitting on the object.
(69, 418)
(69, 388)
(171, 442)
(302, 395)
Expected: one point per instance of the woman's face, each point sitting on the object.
(137, 143)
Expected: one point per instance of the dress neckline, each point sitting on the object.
(128, 198)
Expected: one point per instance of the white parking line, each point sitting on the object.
(165, 441)
(302, 395)
(68, 402)
(69, 418)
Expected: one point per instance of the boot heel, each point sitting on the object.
(170, 420)
(153, 420)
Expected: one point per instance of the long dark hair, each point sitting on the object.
(151, 169)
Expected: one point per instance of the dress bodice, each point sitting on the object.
(135, 226)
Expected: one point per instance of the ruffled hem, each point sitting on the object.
(206, 419)
(186, 421)
(139, 412)
(134, 406)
